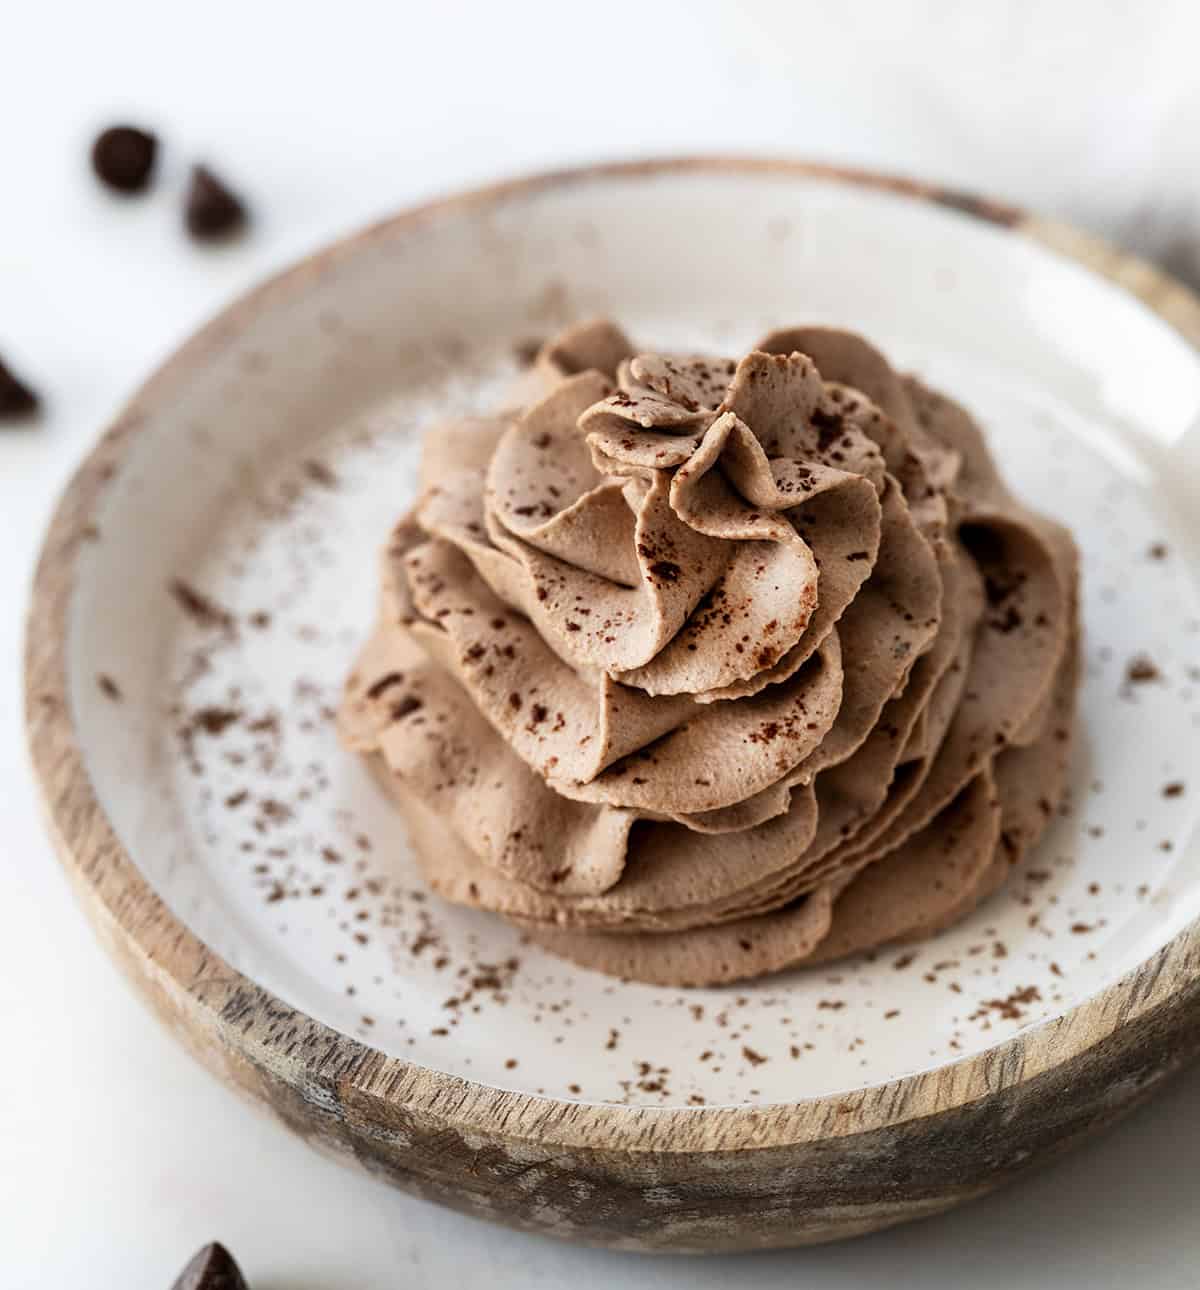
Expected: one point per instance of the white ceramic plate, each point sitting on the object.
(265, 483)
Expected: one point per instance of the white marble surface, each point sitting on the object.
(117, 1155)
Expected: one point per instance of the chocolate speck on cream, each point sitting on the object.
(1141, 669)
(812, 666)
(201, 609)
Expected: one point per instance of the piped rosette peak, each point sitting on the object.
(699, 669)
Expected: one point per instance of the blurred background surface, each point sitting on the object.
(118, 1156)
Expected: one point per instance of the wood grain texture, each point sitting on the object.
(628, 1177)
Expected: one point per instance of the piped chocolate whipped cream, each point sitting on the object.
(700, 669)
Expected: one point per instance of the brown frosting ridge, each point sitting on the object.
(699, 669)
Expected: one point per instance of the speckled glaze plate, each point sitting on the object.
(212, 570)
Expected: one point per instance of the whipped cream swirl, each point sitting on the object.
(698, 669)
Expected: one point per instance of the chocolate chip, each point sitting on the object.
(211, 211)
(16, 398)
(123, 158)
(212, 1268)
